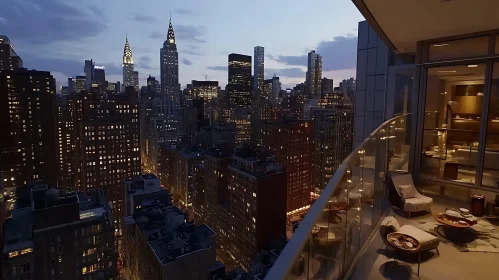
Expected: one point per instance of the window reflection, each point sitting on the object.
(404, 85)
(454, 98)
(478, 46)
(491, 157)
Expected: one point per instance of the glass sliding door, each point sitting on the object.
(453, 106)
(490, 175)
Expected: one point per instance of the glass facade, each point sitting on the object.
(453, 106)
(490, 177)
(460, 127)
(469, 47)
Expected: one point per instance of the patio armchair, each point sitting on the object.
(403, 194)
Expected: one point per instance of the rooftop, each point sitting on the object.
(35, 202)
(168, 234)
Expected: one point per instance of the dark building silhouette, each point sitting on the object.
(28, 149)
(9, 60)
(291, 142)
(58, 235)
(257, 215)
(104, 144)
(333, 136)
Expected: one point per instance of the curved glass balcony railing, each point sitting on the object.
(339, 222)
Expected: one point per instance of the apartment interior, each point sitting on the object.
(454, 102)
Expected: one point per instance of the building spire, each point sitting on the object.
(171, 34)
(127, 52)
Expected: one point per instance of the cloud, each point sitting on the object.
(340, 53)
(144, 63)
(32, 23)
(193, 47)
(300, 60)
(189, 33)
(294, 72)
(191, 52)
(217, 68)
(97, 11)
(184, 32)
(3, 20)
(112, 69)
(143, 18)
(69, 67)
(156, 35)
(186, 61)
(65, 66)
(184, 12)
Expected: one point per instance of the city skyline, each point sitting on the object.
(204, 39)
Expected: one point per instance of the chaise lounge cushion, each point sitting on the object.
(426, 240)
(418, 203)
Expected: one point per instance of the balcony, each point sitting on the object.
(339, 238)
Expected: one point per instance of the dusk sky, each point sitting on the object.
(58, 35)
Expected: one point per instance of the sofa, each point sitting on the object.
(469, 157)
(426, 240)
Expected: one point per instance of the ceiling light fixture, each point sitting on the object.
(446, 71)
(440, 45)
(472, 66)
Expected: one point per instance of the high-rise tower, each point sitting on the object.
(128, 75)
(258, 69)
(239, 87)
(169, 69)
(314, 75)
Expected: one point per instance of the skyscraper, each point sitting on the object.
(105, 144)
(208, 91)
(257, 204)
(153, 86)
(89, 74)
(314, 75)
(347, 86)
(28, 121)
(258, 68)
(333, 137)
(291, 143)
(169, 69)
(70, 84)
(9, 60)
(79, 83)
(327, 87)
(136, 80)
(239, 87)
(128, 73)
(100, 78)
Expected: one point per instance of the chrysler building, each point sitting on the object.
(128, 75)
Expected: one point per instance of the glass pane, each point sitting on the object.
(352, 240)
(363, 194)
(404, 85)
(324, 254)
(454, 98)
(470, 47)
(491, 158)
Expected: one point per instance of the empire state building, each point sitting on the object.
(128, 76)
(170, 87)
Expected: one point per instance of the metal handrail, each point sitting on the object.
(294, 247)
